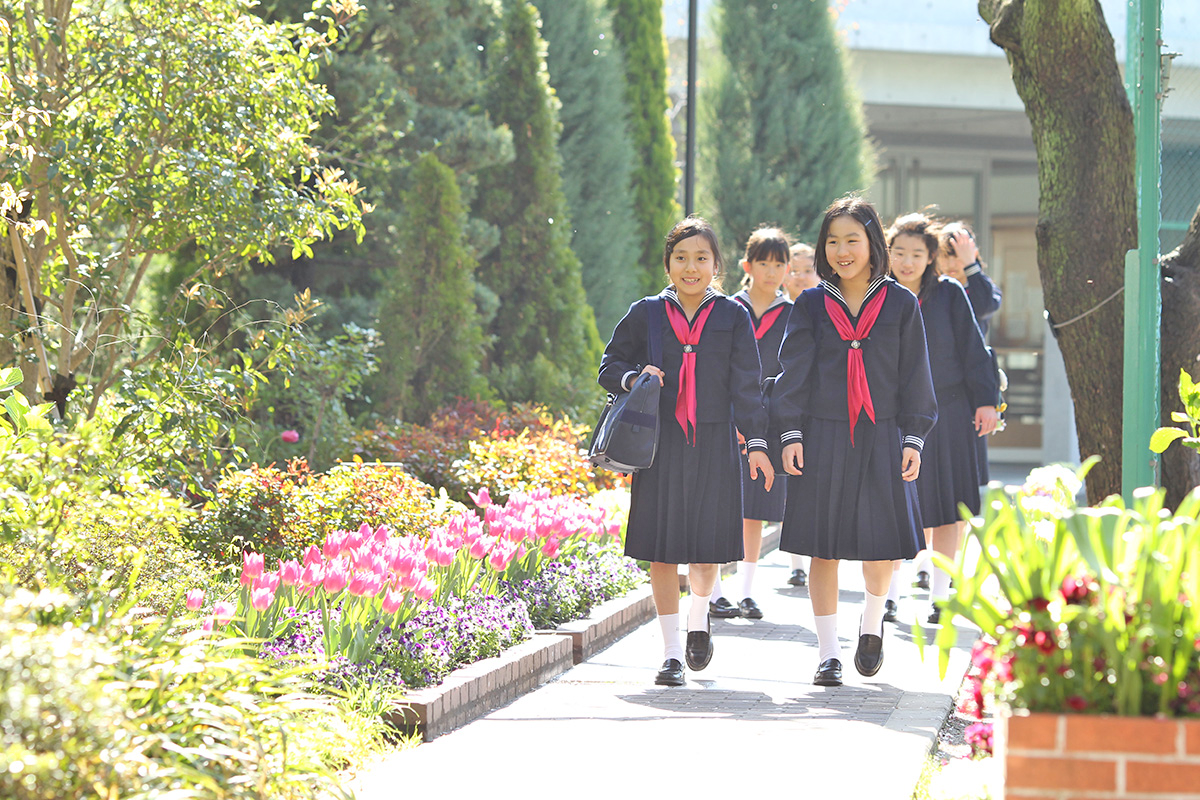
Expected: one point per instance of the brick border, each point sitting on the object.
(475, 689)
(607, 623)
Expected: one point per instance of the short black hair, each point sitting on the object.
(853, 206)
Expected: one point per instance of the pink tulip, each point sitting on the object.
(424, 589)
(481, 547)
(289, 572)
(550, 548)
(334, 542)
(207, 625)
(312, 555)
(502, 555)
(336, 577)
(392, 602)
(482, 498)
(194, 599)
(381, 535)
(439, 552)
(223, 612)
(252, 567)
(364, 584)
(290, 436)
(313, 574)
(260, 599)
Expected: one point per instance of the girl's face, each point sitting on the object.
(692, 267)
(765, 274)
(909, 260)
(847, 250)
(801, 275)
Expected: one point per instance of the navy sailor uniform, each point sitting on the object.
(985, 297)
(757, 502)
(851, 501)
(963, 380)
(687, 507)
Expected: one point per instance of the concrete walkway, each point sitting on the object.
(751, 721)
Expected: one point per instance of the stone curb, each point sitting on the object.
(475, 689)
(608, 622)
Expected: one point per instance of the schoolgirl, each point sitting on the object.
(965, 385)
(687, 507)
(855, 402)
(959, 258)
(765, 264)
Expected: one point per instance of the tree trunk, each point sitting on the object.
(1180, 465)
(1064, 67)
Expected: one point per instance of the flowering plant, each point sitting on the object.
(1083, 609)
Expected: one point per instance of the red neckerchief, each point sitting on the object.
(768, 319)
(858, 392)
(689, 337)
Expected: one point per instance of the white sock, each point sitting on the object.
(827, 638)
(717, 591)
(698, 613)
(872, 619)
(672, 641)
(939, 585)
(747, 569)
(923, 563)
(799, 562)
(894, 587)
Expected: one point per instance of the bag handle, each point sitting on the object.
(654, 323)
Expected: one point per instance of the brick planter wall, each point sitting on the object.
(607, 623)
(1088, 757)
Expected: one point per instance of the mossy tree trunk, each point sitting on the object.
(1180, 469)
(1064, 67)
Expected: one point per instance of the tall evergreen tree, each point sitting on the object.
(783, 132)
(431, 334)
(638, 25)
(587, 74)
(544, 341)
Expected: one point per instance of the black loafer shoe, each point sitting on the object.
(750, 609)
(723, 609)
(799, 578)
(829, 673)
(671, 673)
(922, 581)
(935, 616)
(699, 649)
(868, 658)
(891, 611)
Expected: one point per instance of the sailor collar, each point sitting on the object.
(670, 294)
(743, 297)
(832, 290)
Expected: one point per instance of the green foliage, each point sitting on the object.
(545, 346)
(638, 26)
(141, 716)
(1189, 395)
(158, 125)
(432, 341)
(1092, 609)
(587, 73)
(782, 132)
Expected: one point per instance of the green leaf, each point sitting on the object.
(1179, 416)
(1161, 439)
(10, 377)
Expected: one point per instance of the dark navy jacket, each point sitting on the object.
(727, 366)
(957, 355)
(984, 294)
(813, 357)
(768, 345)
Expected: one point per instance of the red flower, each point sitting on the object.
(1076, 703)
(290, 436)
(1076, 589)
(1039, 603)
(1045, 642)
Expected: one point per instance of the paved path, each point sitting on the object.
(751, 721)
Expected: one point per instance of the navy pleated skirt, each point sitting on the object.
(687, 508)
(851, 502)
(757, 502)
(950, 461)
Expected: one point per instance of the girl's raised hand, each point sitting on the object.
(910, 463)
(760, 463)
(653, 370)
(793, 458)
(986, 419)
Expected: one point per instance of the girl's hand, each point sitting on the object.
(793, 458)
(965, 248)
(986, 418)
(910, 463)
(741, 439)
(653, 370)
(760, 463)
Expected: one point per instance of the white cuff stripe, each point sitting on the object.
(762, 443)
(791, 436)
(914, 441)
(973, 269)
(625, 379)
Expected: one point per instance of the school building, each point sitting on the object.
(949, 130)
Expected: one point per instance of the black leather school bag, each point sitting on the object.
(625, 438)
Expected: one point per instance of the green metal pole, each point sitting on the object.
(1143, 302)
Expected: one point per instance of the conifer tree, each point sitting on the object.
(638, 25)
(543, 337)
(783, 132)
(588, 77)
(431, 334)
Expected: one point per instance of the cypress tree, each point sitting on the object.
(638, 25)
(782, 133)
(431, 334)
(543, 337)
(597, 154)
